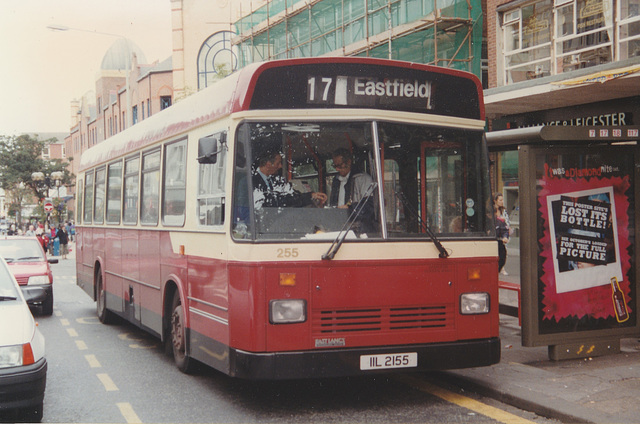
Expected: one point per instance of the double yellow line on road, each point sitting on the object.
(463, 401)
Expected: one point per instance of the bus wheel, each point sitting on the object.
(179, 336)
(104, 315)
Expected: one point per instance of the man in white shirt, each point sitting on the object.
(271, 190)
(348, 187)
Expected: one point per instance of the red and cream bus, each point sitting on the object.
(175, 236)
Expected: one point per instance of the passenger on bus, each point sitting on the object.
(349, 187)
(271, 190)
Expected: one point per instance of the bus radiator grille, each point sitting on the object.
(382, 319)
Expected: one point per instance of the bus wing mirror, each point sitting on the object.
(208, 148)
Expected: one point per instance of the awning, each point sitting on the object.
(552, 134)
(601, 77)
(537, 95)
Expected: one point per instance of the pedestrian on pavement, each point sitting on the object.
(43, 239)
(502, 231)
(64, 241)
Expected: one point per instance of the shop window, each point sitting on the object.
(551, 37)
(527, 42)
(585, 34)
(629, 29)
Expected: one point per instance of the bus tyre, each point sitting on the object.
(178, 337)
(104, 315)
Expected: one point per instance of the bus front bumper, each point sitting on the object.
(347, 362)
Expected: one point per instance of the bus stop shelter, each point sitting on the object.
(578, 235)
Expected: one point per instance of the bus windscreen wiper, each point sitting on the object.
(434, 239)
(335, 246)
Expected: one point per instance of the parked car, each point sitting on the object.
(23, 366)
(28, 262)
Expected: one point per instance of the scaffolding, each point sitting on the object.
(439, 32)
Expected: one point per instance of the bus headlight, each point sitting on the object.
(287, 311)
(474, 303)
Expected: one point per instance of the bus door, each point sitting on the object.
(440, 186)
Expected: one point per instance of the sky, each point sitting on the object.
(42, 70)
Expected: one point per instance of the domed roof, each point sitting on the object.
(118, 57)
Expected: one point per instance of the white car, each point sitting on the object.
(23, 366)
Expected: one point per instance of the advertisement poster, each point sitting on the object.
(585, 206)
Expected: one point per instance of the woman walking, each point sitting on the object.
(64, 241)
(502, 232)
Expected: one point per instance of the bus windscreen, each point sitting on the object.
(308, 181)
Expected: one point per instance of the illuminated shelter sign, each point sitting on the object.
(578, 238)
(583, 226)
(585, 216)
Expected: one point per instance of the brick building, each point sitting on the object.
(559, 62)
(126, 92)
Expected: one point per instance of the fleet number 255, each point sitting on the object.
(287, 252)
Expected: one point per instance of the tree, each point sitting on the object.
(21, 156)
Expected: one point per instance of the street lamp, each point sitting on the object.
(62, 28)
(55, 177)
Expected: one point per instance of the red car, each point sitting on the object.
(28, 262)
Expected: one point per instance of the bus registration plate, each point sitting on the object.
(394, 360)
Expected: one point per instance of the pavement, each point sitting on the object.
(604, 389)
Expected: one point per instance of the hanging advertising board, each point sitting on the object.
(579, 244)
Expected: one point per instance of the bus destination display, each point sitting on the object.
(368, 92)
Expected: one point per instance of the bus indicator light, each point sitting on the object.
(287, 279)
(473, 274)
(182, 250)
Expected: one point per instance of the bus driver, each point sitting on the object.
(271, 190)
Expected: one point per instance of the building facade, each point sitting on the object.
(440, 32)
(126, 92)
(563, 62)
(559, 62)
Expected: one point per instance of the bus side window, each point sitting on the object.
(114, 192)
(131, 190)
(211, 179)
(149, 199)
(80, 199)
(88, 197)
(98, 208)
(175, 185)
